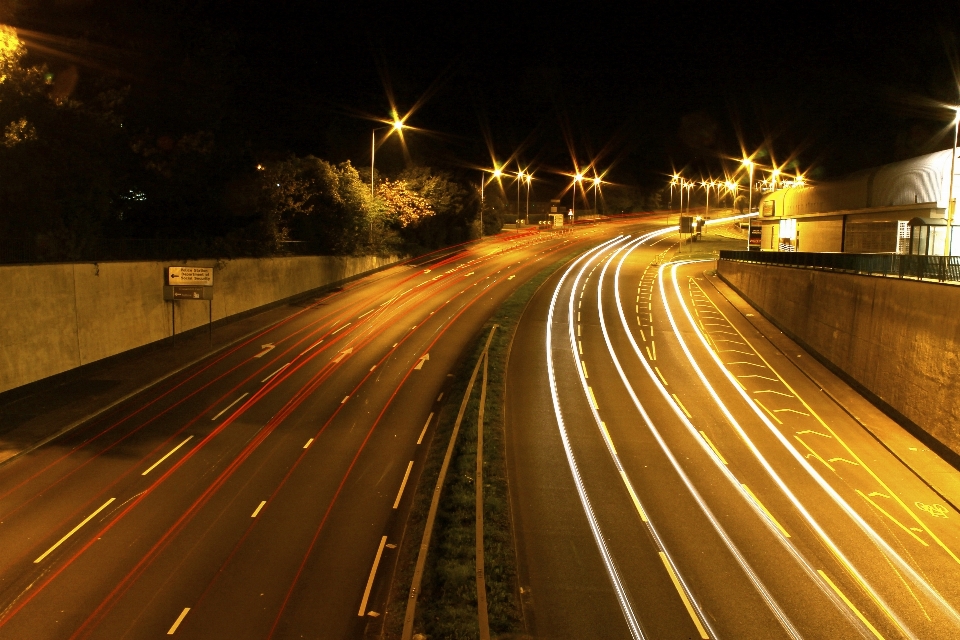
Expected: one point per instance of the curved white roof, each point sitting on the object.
(921, 180)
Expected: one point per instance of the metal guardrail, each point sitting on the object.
(939, 268)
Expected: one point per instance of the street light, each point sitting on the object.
(951, 201)
(529, 178)
(497, 173)
(520, 175)
(397, 125)
(596, 185)
(577, 179)
(749, 165)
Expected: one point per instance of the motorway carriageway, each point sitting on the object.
(262, 492)
(675, 475)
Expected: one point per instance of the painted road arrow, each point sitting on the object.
(266, 348)
(343, 354)
(423, 359)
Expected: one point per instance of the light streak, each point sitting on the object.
(745, 566)
(622, 596)
(862, 524)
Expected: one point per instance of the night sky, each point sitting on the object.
(639, 88)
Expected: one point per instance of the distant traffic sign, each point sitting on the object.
(189, 292)
(196, 276)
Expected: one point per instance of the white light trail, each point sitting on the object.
(861, 523)
(622, 596)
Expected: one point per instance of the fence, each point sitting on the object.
(939, 268)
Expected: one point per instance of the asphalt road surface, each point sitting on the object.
(261, 492)
(675, 474)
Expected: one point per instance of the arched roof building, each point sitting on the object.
(866, 212)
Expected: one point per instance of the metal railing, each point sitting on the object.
(938, 268)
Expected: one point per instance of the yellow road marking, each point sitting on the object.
(814, 414)
(74, 530)
(680, 404)
(895, 521)
(849, 604)
(683, 596)
(815, 454)
(662, 379)
(607, 436)
(769, 515)
(772, 415)
(593, 399)
(715, 450)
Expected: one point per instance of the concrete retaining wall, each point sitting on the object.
(60, 316)
(899, 339)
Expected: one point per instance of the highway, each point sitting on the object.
(262, 492)
(676, 474)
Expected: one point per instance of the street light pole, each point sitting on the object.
(573, 206)
(483, 180)
(951, 202)
(519, 180)
(596, 186)
(529, 180)
(396, 126)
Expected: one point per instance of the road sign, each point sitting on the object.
(197, 276)
(756, 235)
(178, 292)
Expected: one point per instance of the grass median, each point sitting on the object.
(447, 605)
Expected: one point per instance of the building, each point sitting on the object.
(896, 208)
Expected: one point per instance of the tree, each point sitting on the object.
(740, 203)
(63, 161)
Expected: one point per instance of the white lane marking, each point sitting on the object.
(425, 425)
(368, 312)
(74, 530)
(406, 476)
(345, 398)
(343, 354)
(276, 372)
(266, 349)
(228, 407)
(183, 614)
(396, 343)
(257, 510)
(309, 442)
(311, 346)
(423, 359)
(169, 453)
(614, 575)
(373, 573)
(373, 367)
(341, 328)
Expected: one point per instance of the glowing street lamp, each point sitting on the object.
(749, 165)
(529, 178)
(577, 179)
(497, 173)
(951, 201)
(596, 186)
(396, 126)
(520, 175)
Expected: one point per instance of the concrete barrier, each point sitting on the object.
(899, 340)
(58, 317)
